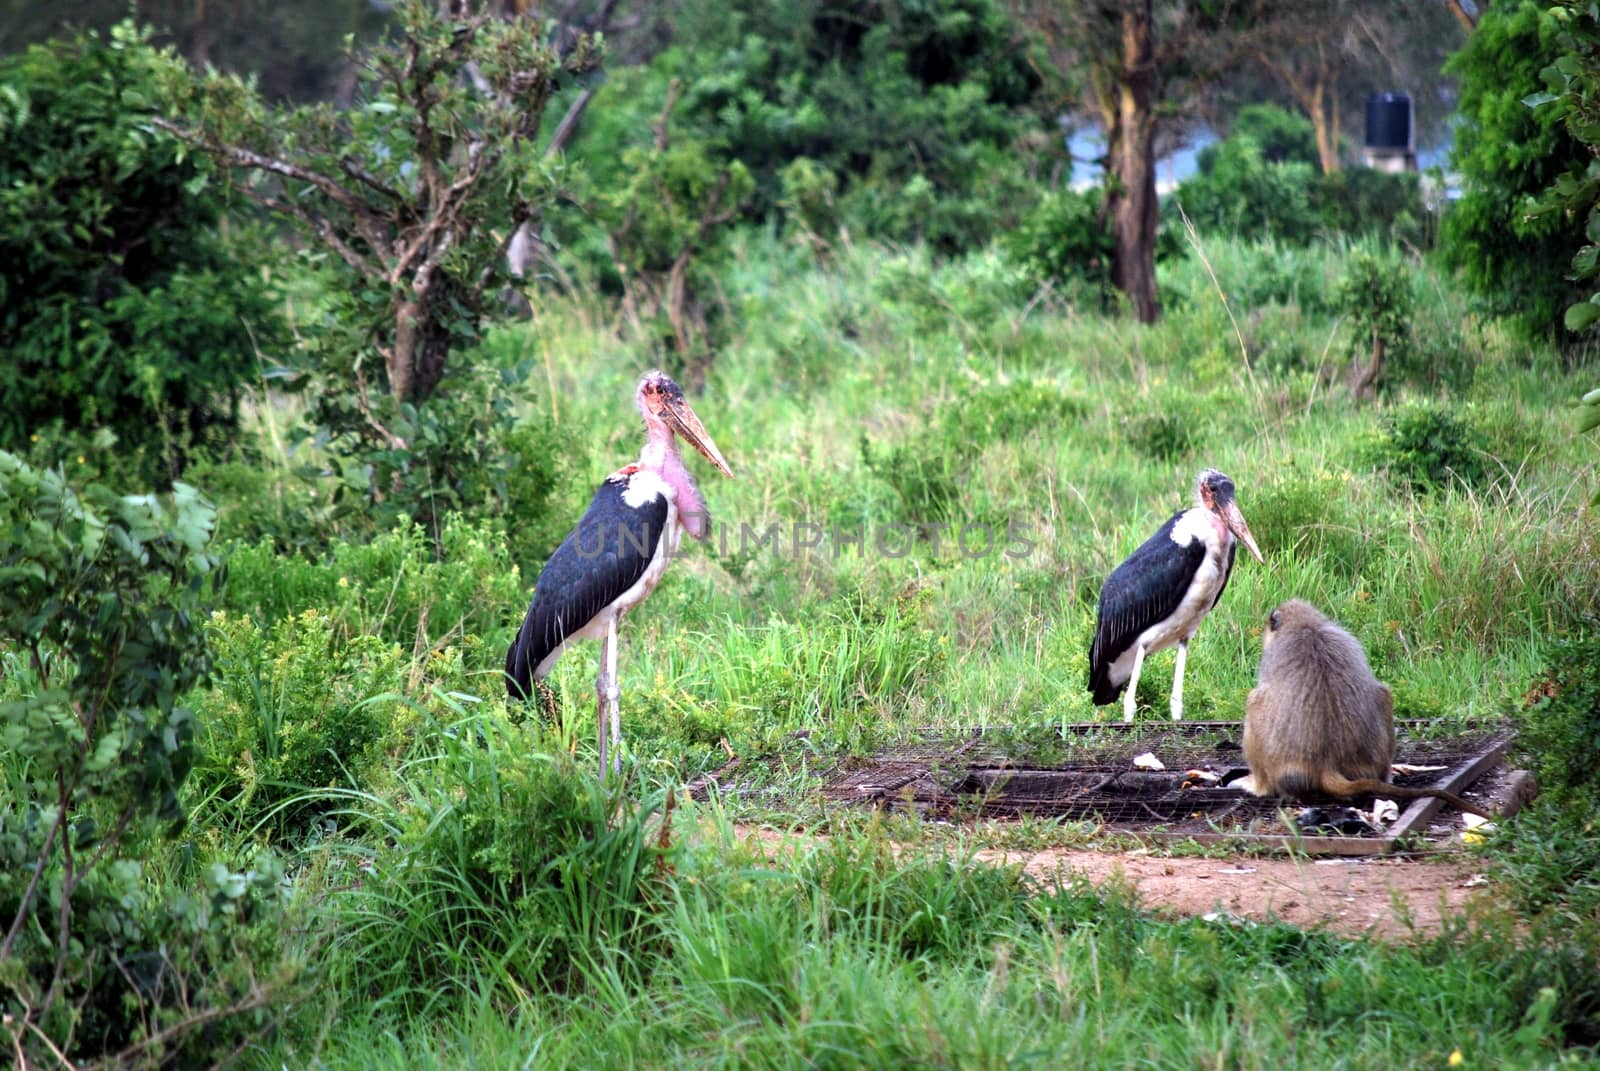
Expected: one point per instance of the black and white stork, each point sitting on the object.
(1159, 596)
(617, 554)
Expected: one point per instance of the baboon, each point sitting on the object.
(1318, 722)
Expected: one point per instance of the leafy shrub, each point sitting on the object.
(1237, 191)
(1548, 857)
(295, 708)
(810, 201)
(1264, 180)
(1284, 136)
(1067, 242)
(123, 306)
(1558, 732)
(399, 588)
(1426, 446)
(1377, 297)
(99, 603)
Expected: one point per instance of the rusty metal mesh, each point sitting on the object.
(1088, 771)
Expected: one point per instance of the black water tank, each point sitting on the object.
(1389, 121)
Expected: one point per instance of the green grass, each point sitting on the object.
(483, 903)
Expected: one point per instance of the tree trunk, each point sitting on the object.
(1468, 23)
(1366, 379)
(1323, 122)
(1133, 197)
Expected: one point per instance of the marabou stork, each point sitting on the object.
(1159, 596)
(617, 554)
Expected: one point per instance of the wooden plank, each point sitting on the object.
(1421, 810)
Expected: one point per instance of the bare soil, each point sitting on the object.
(1371, 896)
(1389, 896)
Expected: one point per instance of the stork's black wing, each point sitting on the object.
(600, 559)
(1141, 591)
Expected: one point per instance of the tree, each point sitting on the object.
(1129, 65)
(918, 109)
(1514, 259)
(416, 189)
(123, 308)
(1328, 63)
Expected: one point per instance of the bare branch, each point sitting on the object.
(370, 181)
(242, 157)
(660, 125)
(569, 124)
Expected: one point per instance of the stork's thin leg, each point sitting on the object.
(1133, 684)
(1177, 681)
(613, 692)
(602, 688)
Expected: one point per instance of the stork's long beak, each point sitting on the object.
(686, 424)
(1235, 522)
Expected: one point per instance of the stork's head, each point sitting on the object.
(664, 408)
(1215, 492)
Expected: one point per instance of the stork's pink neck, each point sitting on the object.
(661, 457)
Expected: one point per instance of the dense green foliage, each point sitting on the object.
(100, 622)
(122, 307)
(1263, 180)
(916, 108)
(1065, 242)
(1573, 92)
(1516, 261)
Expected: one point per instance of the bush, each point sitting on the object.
(466, 451)
(1237, 191)
(1425, 446)
(1558, 731)
(296, 709)
(1263, 180)
(123, 306)
(99, 613)
(1066, 242)
(1377, 297)
(1284, 136)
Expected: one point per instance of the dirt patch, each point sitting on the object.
(1388, 896)
(1384, 897)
